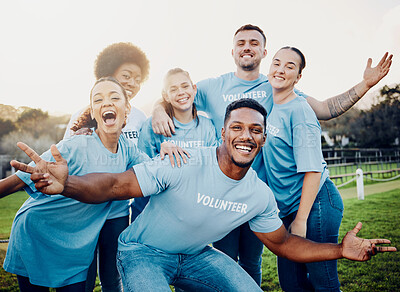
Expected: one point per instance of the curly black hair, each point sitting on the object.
(113, 56)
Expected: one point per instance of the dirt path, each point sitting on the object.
(371, 189)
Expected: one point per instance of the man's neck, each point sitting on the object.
(247, 75)
(227, 166)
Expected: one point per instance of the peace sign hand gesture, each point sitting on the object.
(49, 177)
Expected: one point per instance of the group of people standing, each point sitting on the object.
(57, 241)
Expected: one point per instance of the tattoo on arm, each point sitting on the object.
(341, 103)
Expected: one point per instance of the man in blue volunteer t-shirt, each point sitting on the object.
(201, 202)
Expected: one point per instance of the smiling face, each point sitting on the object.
(248, 49)
(284, 70)
(243, 135)
(130, 77)
(109, 107)
(179, 92)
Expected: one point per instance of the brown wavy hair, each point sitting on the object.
(85, 120)
(167, 105)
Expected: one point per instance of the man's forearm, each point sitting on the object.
(10, 185)
(97, 188)
(161, 122)
(299, 249)
(158, 105)
(304, 251)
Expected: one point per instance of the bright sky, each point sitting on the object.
(48, 48)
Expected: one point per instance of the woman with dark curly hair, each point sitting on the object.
(129, 65)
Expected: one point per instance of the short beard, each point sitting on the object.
(242, 165)
(248, 68)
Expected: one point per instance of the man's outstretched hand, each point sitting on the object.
(49, 177)
(359, 249)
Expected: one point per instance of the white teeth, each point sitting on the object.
(279, 78)
(243, 148)
(183, 99)
(109, 115)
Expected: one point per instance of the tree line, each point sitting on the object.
(377, 127)
(32, 126)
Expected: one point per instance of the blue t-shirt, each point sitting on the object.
(196, 204)
(194, 134)
(292, 147)
(53, 238)
(215, 94)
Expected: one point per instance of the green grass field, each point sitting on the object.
(379, 214)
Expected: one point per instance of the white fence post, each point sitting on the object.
(360, 184)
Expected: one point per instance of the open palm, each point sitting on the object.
(373, 75)
(360, 249)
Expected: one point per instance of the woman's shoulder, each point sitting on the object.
(78, 141)
(302, 113)
(126, 143)
(147, 127)
(77, 114)
(148, 121)
(300, 105)
(205, 120)
(138, 113)
(135, 117)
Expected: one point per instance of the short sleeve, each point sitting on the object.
(146, 142)
(74, 118)
(300, 93)
(156, 175)
(138, 156)
(307, 147)
(212, 139)
(268, 220)
(200, 99)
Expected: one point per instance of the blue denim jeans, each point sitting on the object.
(105, 255)
(322, 226)
(243, 246)
(147, 269)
